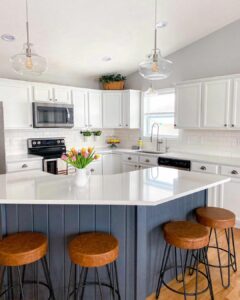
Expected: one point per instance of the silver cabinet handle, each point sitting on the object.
(24, 166)
(92, 170)
(234, 172)
(126, 125)
(147, 160)
(203, 168)
(120, 125)
(136, 166)
(129, 158)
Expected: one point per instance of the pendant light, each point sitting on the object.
(155, 67)
(28, 61)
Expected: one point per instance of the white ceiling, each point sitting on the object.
(74, 35)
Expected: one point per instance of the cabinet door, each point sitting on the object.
(231, 200)
(16, 105)
(188, 106)
(42, 93)
(129, 167)
(112, 109)
(95, 109)
(131, 109)
(235, 121)
(112, 164)
(216, 100)
(95, 168)
(79, 98)
(62, 94)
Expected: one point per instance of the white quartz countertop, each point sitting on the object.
(22, 157)
(147, 187)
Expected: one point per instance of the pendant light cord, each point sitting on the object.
(155, 31)
(28, 50)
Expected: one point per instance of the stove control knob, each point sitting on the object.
(39, 143)
(62, 141)
(34, 143)
(58, 141)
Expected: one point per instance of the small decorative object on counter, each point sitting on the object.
(113, 81)
(80, 159)
(140, 143)
(97, 134)
(113, 141)
(86, 134)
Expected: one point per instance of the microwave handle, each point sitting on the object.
(68, 114)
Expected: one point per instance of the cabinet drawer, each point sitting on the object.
(24, 166)
(130, 158)
(230, 171)
(204, 167)
(148, 160)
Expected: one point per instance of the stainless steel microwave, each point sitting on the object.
(52, 115)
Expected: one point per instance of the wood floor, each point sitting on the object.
(232, 293)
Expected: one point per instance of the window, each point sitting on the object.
(159, 109)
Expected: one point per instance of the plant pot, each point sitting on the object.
(81, 177)
(115, 85)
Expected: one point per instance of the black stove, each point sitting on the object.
(51, 150)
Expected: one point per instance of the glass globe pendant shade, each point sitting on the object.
(28, 62)
(155, 67)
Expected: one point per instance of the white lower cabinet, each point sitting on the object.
(95, 168)
(112, 164)
(129, 167)
(24, 166)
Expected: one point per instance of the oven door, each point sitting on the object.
(50, 115)
(55, 166)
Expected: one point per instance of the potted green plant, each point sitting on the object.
(86, 134)
(112, 81)
(97, 134)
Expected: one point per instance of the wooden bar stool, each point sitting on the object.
(20, 250)
(184, 238)
(223, 219)
(94, 250)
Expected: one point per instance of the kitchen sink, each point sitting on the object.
(150, 152)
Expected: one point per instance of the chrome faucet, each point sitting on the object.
(158, 129)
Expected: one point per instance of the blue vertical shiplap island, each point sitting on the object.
(132, 206)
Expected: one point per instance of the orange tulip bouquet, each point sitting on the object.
(80, 159)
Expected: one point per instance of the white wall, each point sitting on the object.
(214, 55)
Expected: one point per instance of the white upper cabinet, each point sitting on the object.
(216, 99)
(95, 109)
(121, 109)
(188, 106)
(61, 94)
(16, 104)
(235, 120)
(79, 98)
(47, 92)
(131, 101)
(42, 92)
(112, 109)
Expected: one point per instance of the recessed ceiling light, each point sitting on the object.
(8, 37)
(107, 58)
(161, 24)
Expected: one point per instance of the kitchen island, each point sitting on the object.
(132, 206)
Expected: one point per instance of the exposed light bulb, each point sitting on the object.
(155, 67)
(29, 63)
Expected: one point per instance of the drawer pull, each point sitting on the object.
(203, 168)
(147, 160)
(92, 170)
(24, 166)
(234, 172)
(129, 158)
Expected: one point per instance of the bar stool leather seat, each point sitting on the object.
(22, 248)
(215, 217)
(93, 249)
(186, 235)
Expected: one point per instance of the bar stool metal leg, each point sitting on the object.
(110, 280)
(48, 278)
(99, 283)
(20, 283)
(84, 283)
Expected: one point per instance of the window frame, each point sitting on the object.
(166, 136)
